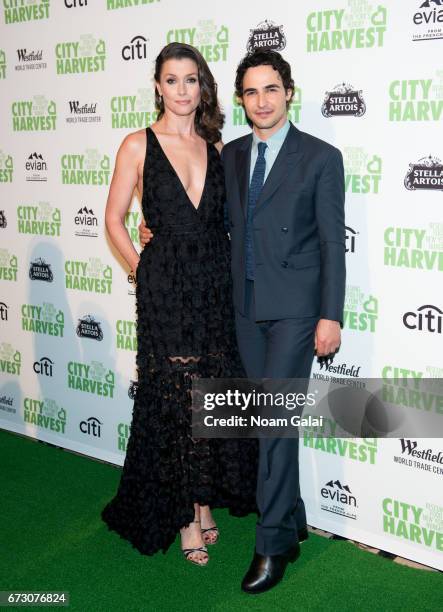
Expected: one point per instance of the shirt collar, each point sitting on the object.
(276, 140)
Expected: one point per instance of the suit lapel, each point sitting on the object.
(243, 163)
(287, 157)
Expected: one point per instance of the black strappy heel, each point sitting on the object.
(188, 551)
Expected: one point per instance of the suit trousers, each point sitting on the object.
(282, 348)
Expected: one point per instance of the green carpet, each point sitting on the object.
(52, 538)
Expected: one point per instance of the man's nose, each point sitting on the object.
(261, 99)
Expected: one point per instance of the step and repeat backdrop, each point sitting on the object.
(76, 78)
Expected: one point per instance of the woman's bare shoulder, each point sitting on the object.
(134, 144)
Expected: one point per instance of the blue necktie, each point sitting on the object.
(257, 180)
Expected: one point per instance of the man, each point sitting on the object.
(285, 209)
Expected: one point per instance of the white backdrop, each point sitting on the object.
(76, 77)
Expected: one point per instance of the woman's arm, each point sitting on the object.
(124, 180)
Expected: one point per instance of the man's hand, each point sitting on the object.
(144, 233)
(327, 337)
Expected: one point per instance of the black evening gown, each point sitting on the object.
(184, 309)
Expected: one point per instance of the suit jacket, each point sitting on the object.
(298, 228)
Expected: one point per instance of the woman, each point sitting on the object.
(185, 323)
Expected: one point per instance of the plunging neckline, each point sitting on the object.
(196, 208)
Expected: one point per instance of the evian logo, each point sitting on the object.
(428, 21)
(36, 167)
(86, 223)
(410, 448)
(267, 35)
(343, 100)
(338, 499)
(427, 173)
(40, 270)
(426, 318)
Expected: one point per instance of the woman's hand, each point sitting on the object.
(144, 233)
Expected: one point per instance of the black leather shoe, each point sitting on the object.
(267, 570)
(303, 534)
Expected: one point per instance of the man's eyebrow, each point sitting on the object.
(248, 89)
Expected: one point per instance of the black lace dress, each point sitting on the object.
(184, 311)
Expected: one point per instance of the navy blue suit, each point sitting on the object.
(298, 233)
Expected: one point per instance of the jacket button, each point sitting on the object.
(284, 264)
(284, 229)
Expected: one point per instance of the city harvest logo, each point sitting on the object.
(126, 335)
(88, 327)
(137, 49)
(78, 57)
(350, 239)
(82, 113)
(120, 4)
(86, 223)
(415, 524)
(2, 65)
(134, 111)
(427, 173)
(6, 167)
(91, 427)
(343, 369)
(90, 168)
(10, 360)
(92, 276)
(362, 173)
(91, 378)
(43, 319)
(426, 460)
(46, 414)
(39, 219)
(30, 60)
(19, 11)
(338, 499)
(36, 168)
(417, 248)
(363, 450)
(416, 99)
(356, 27)
(294, 110)
(44, 367)
(413, 388)
(427, 318)
(428, 21)
(40, 270)
(34, 115)
(210, 39)
(266, 35)
(361, 310)
(344, 100)
(132, 220)
(8, 266)
(123, 431)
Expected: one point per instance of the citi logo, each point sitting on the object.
(3, 311)
(335, 491)
(75, 3)
(91, 427)
(32, 56)
(350, 239)
(44, 367)
(136, 50)
(426, 318)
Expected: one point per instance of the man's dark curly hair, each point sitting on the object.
(264, 57)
